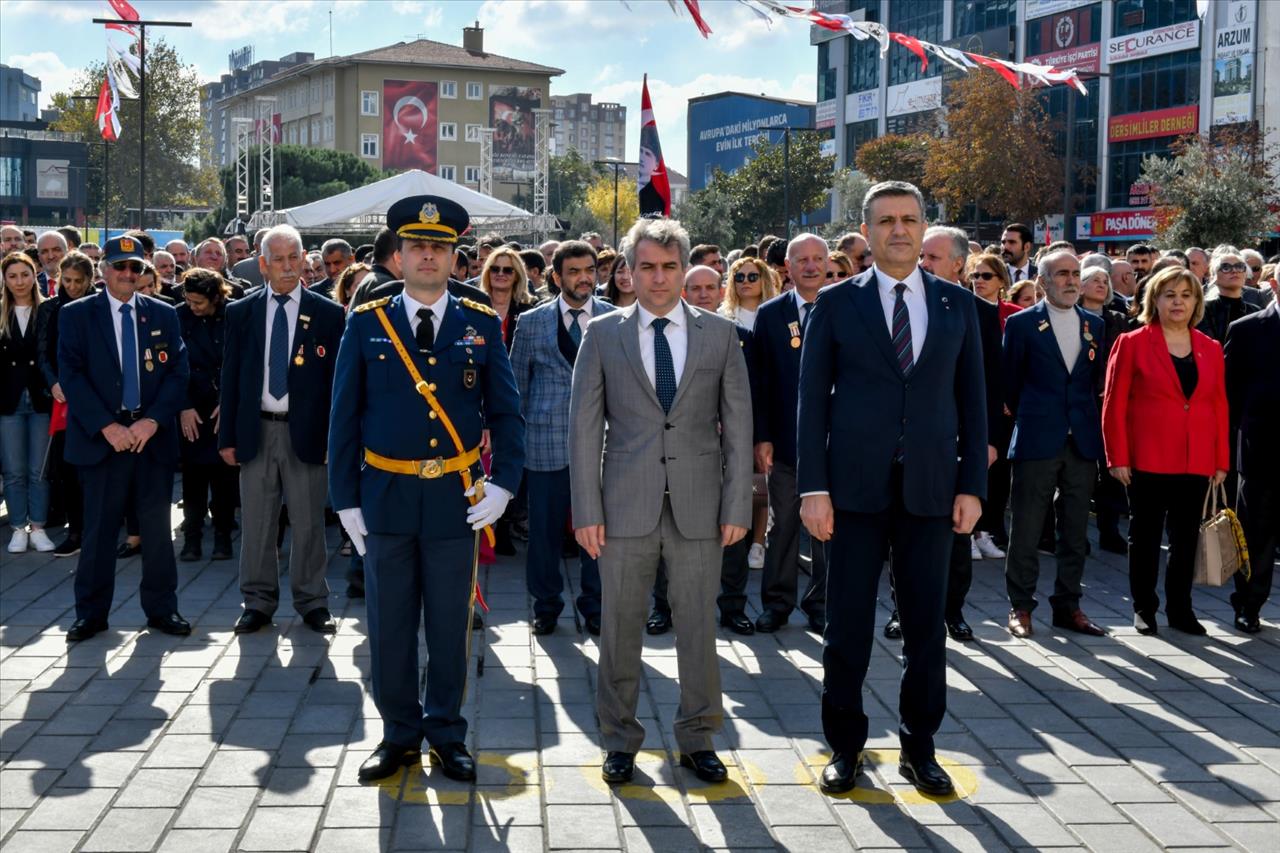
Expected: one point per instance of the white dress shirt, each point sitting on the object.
(116, 319)
(1020, 273)
(291, 309)
(437, 309)
(23, 315)
(917, 305)
(677, 335)
(583, 318)
(746, 317)
(800, 306)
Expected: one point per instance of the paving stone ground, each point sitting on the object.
(134, 741)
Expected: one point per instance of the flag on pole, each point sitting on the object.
(108, 124)
(652, 183)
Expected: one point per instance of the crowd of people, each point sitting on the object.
(671, 415)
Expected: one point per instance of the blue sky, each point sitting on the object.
(604, 46)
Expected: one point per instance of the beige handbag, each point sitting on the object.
(1221, 551)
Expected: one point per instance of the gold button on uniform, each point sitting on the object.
(434, 442)
(431, 386)
(432, 414)
(431, 360)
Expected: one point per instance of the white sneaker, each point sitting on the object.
(40, 540)
(973, 549)
(990, 550)
(18, 544)
(755, 557)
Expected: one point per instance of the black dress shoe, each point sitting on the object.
(706, 765)
(477, 621)
(221, 546)
(659, 623)
(959, 629)
(738, 623)
(1113, 543)
(618, 767)
(926, 774)
(355, 590)
(68, 547)
(386, 760)
(592, 624)
(190, 550)
(127, 550)
(543, 625)
(1246, 623)
(1144, 621)
(319, 619)
(841, 773)
(1187, 623)
(454, 761)
(83, 629)
(893, 628)
(172, 624)
(251, 620)
(770, 621)
(818, 625)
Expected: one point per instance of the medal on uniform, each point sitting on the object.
(297, 359)
(163, 356)
(795, 343)
(149, 366)
(794, 328)
(1092, 353)
(146, 360)
(469, 377)
(319, 351)
(1044, 324)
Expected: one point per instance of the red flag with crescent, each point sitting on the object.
(652, 182)
(409, 125)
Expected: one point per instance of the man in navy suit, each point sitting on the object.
(122, 365)
(543, 353)
(892, 441)
(277, 375)
(1052, 369)
(780, 328)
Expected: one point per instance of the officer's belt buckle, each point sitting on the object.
(431, 469)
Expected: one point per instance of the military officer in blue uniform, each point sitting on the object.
(419, 376)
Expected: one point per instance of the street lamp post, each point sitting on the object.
(786, 170)
(617, 165)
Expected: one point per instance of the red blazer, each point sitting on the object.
(1147, 423)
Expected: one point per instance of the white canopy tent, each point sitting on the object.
(365, 208)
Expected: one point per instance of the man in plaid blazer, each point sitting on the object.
(543, 352)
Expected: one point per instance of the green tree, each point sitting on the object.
(601, 200)
(997, 153)
(758, 187)
(708, 215)
(175, 137)
(1213, 191)
(894, 157)
(850, 187)
(568, 177)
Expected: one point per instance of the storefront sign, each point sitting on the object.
(1183, 36)
(1150, 125)
(1040, 8)
(1074, 45)
(862, 106)
(914, 97)
(1122, 224)
(825, 116)
(1233, 54)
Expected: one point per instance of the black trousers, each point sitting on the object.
(959, 577)
(1260, 514)
(122, 479)
(780, 580)
(992, 520)
(66, 484)
(861, 544)
(1109, 501)
(198, 481)
(1160, 504)
(734, 572)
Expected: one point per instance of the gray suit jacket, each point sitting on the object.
(704, 445)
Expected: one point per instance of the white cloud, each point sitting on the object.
(67, 12)
(431, 15)
(232, 20)
(519, 27)
(53, 73)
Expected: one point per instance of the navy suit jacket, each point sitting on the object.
(1048, 399)
(317, 337)
(90, 374)
(855, 401)
(775, 370)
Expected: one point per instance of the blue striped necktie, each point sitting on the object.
(902, 330)
(664, 371)
(278, 358)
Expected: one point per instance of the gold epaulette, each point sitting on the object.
(478, 306)
(369, 306)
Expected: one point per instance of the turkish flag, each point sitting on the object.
(652, 183)
(409, 122)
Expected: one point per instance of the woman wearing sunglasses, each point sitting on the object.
(988, 277)
(839, 267)
(1228, 273)
(505, 280)
(751, 283)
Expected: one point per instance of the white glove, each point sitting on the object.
(353, 522)
(489, 508)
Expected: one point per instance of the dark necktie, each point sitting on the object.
(131, 398)
(278, 358)
(902, 330)
(804, 316)
(426, 334)
(664, 371)
(575, 331)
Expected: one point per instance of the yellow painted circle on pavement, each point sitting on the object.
(522, 780)
(964, 780)
(734, 788)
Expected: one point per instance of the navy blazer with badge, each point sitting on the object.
(376, 406)
(854, 401)
(774, 367)
(1048, 400)
(90, 375)
(318, 333)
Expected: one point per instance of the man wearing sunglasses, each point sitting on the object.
(122, 365)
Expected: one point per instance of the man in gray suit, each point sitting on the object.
(670, 384)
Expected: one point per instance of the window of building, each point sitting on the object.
(1135, 16)
(913, 122)
(863, 56)
(475, 91)
(11, 176)
(315, 92)
(328, 87)
(473, 133)
(472, 174)
(854, 136)
(315, 132)
(1172, 80)
(448, 131)
(826, 76)
(922, 19)
(448, 88)
(369, 145)
(368, 103)
(328, 128)
(1126, 165)
(974, 16)
(449, 173)
(559, 113)
(1084, 139)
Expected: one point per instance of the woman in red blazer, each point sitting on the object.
(1164, 423)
